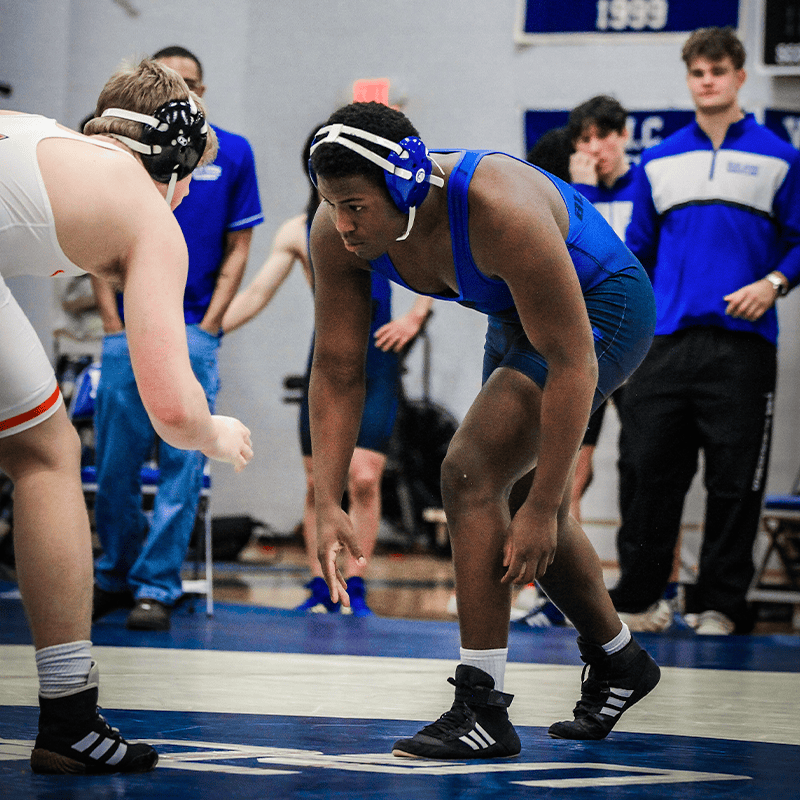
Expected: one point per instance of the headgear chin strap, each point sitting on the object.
(407, 168)
(173, 140)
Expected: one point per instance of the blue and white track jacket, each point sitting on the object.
(706, 222)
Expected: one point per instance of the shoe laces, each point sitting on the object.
(594, 693)
(451, 723)
(102, 719)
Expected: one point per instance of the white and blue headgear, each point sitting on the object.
(407, 168)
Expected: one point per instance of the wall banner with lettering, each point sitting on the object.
(581, 21)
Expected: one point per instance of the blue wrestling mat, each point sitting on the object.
(722, 723)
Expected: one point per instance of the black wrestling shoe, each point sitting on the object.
(613, 684)
(477, 725)
(149, 615)
(75, 739)
(104, 602)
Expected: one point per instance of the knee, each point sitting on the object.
(364, 483)
(464, 476)
(36, 450)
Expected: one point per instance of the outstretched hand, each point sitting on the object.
(231, 442)
(335, 534)
(530, 547)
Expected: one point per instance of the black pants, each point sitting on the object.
(702, 388)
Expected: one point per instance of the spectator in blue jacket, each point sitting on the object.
(716, 223)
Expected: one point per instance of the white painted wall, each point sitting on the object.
(274, 70)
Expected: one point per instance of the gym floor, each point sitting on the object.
(260, 701)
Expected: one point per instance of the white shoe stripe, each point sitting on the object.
(465, 738)
(615, 701)
(610, 712)
(485, 735)
(119, 755)
(621, 692)
(478, 739)
(86, 742)
(102, 749)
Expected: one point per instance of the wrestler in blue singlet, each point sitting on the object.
(617, 292)
(382, 374)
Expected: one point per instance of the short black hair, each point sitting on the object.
(714, 44)
(176, 51)
(331, 160)
(604, 111)
(551, 152)
(313, 198)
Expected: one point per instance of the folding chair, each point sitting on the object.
(81, 412)
(780, 523)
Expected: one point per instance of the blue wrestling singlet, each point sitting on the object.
(617, 292)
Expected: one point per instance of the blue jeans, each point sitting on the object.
(144, 557)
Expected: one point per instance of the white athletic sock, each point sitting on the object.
(618, 642)
(63, 667)
(491, 661)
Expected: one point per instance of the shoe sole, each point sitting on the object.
(46, 762)
(404, 754)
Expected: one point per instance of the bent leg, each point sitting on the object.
(364, 489)
(51, 530)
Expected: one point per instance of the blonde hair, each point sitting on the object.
(143, 88)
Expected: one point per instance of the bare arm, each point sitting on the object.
(342, 302)
(107, 305)
(234, 261)
(154, 277)
(288, 247)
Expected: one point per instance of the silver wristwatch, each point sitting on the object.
(780, 287)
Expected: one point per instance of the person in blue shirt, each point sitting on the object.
(716, 223)
(498, 235)
(140, 564)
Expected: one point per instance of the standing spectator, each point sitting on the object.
(600, 171)
(716, 222)
(141, 566)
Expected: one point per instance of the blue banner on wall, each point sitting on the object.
(785, 123)
(646, 127)
(602, 18)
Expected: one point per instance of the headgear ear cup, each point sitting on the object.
(409, 192)
(173, 138)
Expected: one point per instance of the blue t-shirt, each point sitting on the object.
(223, 196)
